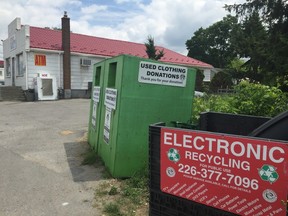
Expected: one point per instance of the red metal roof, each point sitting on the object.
(44, 38)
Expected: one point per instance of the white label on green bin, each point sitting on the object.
(107, 123)
(96, 94)
(110, 98)
(162, 74)
(94, 112)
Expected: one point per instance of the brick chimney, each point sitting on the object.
(66, 55)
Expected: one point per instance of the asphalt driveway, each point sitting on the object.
(41, 149)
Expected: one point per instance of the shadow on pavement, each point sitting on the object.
(81, 173)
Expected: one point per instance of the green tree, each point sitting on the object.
(273, 15)
(221, 80)
(237, 69)
(199, 85)
(213, 44)
(250, 41)
(151, 50)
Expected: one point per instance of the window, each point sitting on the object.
(20, 65)
(8, 67)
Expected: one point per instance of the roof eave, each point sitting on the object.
(46, 50)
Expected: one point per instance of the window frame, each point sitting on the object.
(20, 64)
(8, 67)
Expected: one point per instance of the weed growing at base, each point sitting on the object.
(123, 197)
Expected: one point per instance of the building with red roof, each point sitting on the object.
(43, 38)
(30, 52)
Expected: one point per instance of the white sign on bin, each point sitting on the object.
(94, 112)
(162, 74)
(96, 94)
(107, 124)
(110, 98)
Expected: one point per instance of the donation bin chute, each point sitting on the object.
(135, 93)
(45, 87)
(95, 105)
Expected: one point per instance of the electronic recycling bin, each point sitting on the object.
(130, 94)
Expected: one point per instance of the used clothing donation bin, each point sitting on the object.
(129, 94)
(95, 105)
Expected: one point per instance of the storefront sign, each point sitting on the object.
(40, 60)
(241, 175)
(161, 74)
(110, 98)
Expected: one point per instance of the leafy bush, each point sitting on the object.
(259, 100)
(215, 103)
(249, 99)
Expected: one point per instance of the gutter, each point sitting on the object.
(90, 55)
(47, 50)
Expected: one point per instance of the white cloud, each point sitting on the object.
(128, 1)
(93, 9)
(123, 1)
(170, 22)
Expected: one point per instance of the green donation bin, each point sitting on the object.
(95, 105)
(137, 92)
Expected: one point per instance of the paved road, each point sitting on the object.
(41, 148)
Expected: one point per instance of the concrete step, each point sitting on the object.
(12, 93)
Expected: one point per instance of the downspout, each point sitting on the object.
(59, 64)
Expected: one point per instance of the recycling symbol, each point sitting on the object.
(268, 173)
(173, 155)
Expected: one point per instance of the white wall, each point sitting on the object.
(15, 44)
(81, 75)
(53, 67)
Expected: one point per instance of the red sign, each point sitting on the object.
(245, 176)
(40, 60)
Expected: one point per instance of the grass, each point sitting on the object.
(124, 197)
(119, 197)
(112, 209)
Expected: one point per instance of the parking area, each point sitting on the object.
(41, 150)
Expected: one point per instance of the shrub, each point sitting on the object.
(259, 100)
(249, 99)
(215, 103)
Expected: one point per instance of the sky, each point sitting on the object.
(170, 22)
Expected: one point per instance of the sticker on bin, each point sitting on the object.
(107, 124)
(110, 98)
(161, 74)
(94, 112)
(245, 176)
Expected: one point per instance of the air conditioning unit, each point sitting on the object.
(85, 62)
